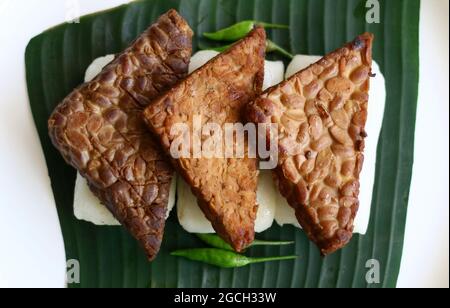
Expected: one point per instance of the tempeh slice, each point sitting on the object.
(99, 129)
(219, 92)
(321, 114)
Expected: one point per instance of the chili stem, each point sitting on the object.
(215, 241)
(271, 46)
(221, 48)
(271, 259)
(271, 243)
(272, 26)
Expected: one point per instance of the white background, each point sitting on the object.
(31, 246)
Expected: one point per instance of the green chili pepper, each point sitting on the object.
(223, 258)
(270, 47)
(216, 241)
(239, 30)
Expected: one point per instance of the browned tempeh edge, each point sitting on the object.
(99, 130)
(239, 243)
(342, 237)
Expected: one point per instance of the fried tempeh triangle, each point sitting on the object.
(99, 129)
(219, 92)
(321, 114)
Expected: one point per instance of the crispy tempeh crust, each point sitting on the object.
(99, 129)
(219, 91)
(321, 113)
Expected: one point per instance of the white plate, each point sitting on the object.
(32, 251)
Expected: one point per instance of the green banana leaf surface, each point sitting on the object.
(55, 64)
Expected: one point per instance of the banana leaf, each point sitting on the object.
(57, 59)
